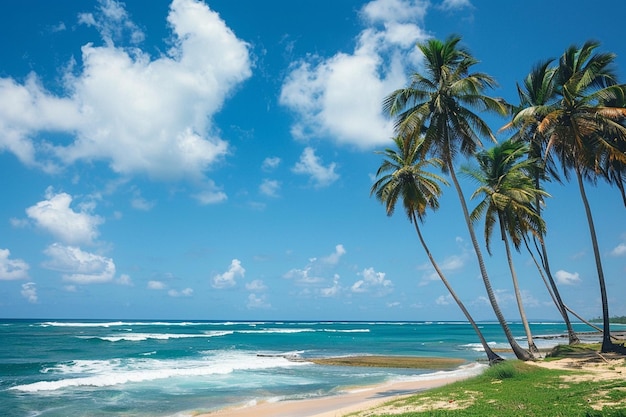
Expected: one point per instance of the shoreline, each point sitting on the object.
(348, 400)
(357, 399)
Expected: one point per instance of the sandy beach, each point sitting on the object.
(342, 404)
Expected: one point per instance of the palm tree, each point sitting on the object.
(537, 98)
(507, 187)
(440, 106)
(402, 176)
(580, 132)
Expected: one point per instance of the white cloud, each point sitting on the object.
(57, 217)
(331, 291)
(444, 300)
(211, 194)
(256, 285)
(29, 291)
(303, 276)
(310, 164)
(124, 279)
(450, 264)
(270, 163)
(139, 203)
(258, 301)
(567, 278)
(156, 285)
(340, 97)
(270, 188)
(12, 268)
(187, 292)
(619, 250)
(455, 4)
(139, 114)
(372, 281)
(112, 22)
(333, 258)
(228, 278)
(78, 266)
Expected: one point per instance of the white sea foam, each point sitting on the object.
(478, 347)
(140, 337)
(103, 373)
(120, 323)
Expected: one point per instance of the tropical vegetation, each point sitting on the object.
(570, 122)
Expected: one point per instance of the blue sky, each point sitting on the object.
(213, 160)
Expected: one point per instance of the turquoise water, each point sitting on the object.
(143, 368)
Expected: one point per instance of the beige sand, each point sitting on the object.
(335, 406)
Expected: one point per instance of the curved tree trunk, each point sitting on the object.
(520, 353)
(573, 338)
(518, 296)
(491, 355)
(556, 295)
(607, 345)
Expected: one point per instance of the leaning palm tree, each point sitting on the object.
(402, 176)
(441, 105)
(537, 98)
(581, 130)
(507, 189)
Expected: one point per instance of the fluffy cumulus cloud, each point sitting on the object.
(372, 281)
(156, 285)
(314, 274)
(12, 268)
(258, 302)
(140, 114)
(229, 278)
(333, 290)
(78, 266)
(339, 97)
(311, 165)
(29, 292)
(444, 300)
(567, 278)
(270, 188)
(55, 216)
(256, 285)
(333, 258)
(187, 292)
(270, 163)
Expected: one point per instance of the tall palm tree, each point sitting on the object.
(507, 189)
(581, 130)
(440, 106)
(537, 97)
(402, 177)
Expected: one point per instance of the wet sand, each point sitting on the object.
(338, 405)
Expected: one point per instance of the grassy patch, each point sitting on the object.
(513, 389)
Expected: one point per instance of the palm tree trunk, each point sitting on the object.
(520, 353)
(491, 355)
(607, 345)
(573, 338)
(518, 296)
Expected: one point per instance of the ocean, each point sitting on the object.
(59, 368)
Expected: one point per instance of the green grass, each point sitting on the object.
(514, 389)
